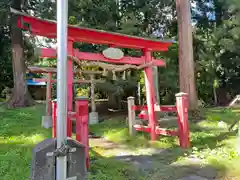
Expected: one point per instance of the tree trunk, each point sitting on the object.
(20, 95)
(215, 96)
(186, 62)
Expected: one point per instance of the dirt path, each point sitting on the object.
(146, 160)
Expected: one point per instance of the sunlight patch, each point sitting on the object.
(24, 114)
(35, 138)
(25, 140)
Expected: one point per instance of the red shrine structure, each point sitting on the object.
(46, 28)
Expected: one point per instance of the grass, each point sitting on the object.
(115, 129)
(20, 130)
(211, 143)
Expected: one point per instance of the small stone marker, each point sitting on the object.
(93, 118)
(47, 122)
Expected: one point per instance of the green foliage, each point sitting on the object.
(82, 92)
(216, 47)
(20, 131)
(216, 41)
(6, 78)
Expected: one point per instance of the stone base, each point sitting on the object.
(47, 122)
(93, 118)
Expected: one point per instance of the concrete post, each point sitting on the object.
(93, 115)
(47, 119)
(131, 116)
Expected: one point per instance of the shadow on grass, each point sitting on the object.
(206, 136)
(226, 115)
(16, 159)
(210, 140)
(201, 136)
(20, 130)
(161, 166)
(22, 122)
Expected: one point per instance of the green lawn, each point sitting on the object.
(20, 130)
(211, 142)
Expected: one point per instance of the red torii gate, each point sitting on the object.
(47, 28)
(46, 120)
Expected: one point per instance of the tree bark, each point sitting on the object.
(20, 95)
(215, 96)
(186, 62)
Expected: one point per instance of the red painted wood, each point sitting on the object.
(49, 94)
(166, 132)
(168, 108)
(142, 128)
(51, 53)
(72, 115)
(82, 125)
(69, 88)
(159, 131)
(46, 28)
(150, 96)
(183, 124)
(78, 121)
(54, 118)
(143, 116)
(139, 108)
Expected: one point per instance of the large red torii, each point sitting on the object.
(47, 28)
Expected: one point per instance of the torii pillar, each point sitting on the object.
(47, 118)
(149, 83)
(70, 87)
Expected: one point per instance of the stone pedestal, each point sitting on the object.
(43, 165)
(93, 118)
(47, 122)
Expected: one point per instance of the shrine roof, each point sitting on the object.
(47, 28)
(31, 82)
